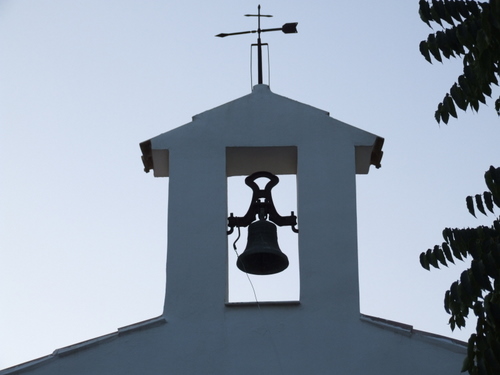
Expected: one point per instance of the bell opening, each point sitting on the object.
(262, 255)
(281, 287)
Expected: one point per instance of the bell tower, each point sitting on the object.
(199, 332)
(263, 132)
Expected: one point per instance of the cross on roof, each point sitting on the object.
(287, 28)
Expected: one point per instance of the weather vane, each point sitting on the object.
(287, 28)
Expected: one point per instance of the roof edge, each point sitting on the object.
(71, 349)
(407, 330)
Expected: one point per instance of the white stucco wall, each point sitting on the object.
(199, 333)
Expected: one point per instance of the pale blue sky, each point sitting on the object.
(83, 230)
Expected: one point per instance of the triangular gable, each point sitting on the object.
(262, 119)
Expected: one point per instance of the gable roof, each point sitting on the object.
(261, 119)
(446, 343)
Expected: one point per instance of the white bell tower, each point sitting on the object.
(199, 332)
(262, 132)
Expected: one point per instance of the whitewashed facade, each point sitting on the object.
(199, 333)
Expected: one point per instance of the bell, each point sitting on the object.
(262, 255)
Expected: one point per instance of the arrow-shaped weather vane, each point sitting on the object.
(287, 28)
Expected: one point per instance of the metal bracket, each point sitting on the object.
(262, 205)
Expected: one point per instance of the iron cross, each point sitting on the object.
(287, 28)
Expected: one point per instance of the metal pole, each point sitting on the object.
(259, 49)
(259, 58)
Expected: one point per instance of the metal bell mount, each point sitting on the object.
(262, 255)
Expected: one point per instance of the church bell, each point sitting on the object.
(262, 255)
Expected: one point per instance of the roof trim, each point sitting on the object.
(407, 330)
(71, 349)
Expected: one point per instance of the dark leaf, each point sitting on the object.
(454, 296)
(495, 173)
(474, 103)
(492, 178)
(424, 50)
(480, 366)
(456, 251)
(473, 8)
(431, 258)
(464, 36)
(461, 243)
(467, 364)
(462, 9)
(458, 96)
(495, 250)
(433, 48)
(470, 74)
(453, 42)
(488, 178)
(479, 204)
(473, 26)
(487, 90)
(473, 248)
(478, 309)
(466, 283)
(438, 253)
(471, 345)
(449, 106)
(443, 44)
(452, 10)
(452, 324)
(424, 262)
(435, 14)
(496, 225)
(447, 252)
(424, 11)
(481, 98)
(481, 343)
(482, 41)
(488, 201)
(447, 235)
(493, 77)
(490, 266)
(442, 12)
(460, 321)
(466, 302)
(464, 85)
(470, 205)
(442, 114)
(447, 302)
(437, 116)
(480, 276)
(457, 254)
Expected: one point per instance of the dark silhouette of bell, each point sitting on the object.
(262, 255)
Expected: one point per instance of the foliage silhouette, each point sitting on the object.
(472, 33)
(479, 286)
